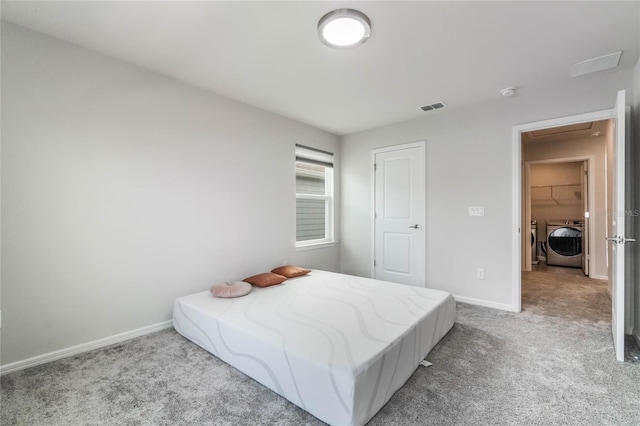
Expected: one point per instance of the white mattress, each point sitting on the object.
(336, 345)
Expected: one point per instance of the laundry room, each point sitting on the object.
(565, 181)
(557, 213)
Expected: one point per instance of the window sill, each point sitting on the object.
(312, 246)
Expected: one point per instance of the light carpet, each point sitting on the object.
(552, 364)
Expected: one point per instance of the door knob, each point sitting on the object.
(621, 239)
(416, 226)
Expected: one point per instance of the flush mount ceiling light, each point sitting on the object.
(344, 28)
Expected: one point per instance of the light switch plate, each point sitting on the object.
(476, 211)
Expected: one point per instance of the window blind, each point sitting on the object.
(314, 156)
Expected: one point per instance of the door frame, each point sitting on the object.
(518, 241)
(418, 144)
(590, 159)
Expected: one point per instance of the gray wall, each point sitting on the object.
(123, 189)
(469, 163)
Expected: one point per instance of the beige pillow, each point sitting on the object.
(265, 280)
(231, 289)
(291, 271)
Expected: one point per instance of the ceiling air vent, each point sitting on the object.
(430, 107)
(596, 64)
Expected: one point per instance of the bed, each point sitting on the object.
(336, 345)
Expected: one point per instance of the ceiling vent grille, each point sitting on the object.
(436, 105)
(600, 63)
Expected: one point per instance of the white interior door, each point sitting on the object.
(399, 214)
(586, 257)
(616, 238)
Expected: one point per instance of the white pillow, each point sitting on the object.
(231, 289)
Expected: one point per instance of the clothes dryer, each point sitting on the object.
(564, 243)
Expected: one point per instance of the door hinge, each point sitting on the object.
(374, 262)
(375, 167)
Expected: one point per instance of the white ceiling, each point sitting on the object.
(569, 132)
(267, 54)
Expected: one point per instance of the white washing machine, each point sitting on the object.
(564, 243)
(534, 241)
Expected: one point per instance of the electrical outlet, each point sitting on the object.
(476, 211)
(480, 273)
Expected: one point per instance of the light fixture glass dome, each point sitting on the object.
(344, 28)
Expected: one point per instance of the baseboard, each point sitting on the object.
(599, 277)
(487, 303)
(85, 347)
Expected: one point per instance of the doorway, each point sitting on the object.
(548, 130)
(560, 195)
(615, 154)
(564, 189)
(565, 201)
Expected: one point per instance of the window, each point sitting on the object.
(314, 197)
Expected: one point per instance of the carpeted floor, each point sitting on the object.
(552, 364)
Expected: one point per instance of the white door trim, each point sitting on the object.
(418, 144)
(517, 242)
(591, 160)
